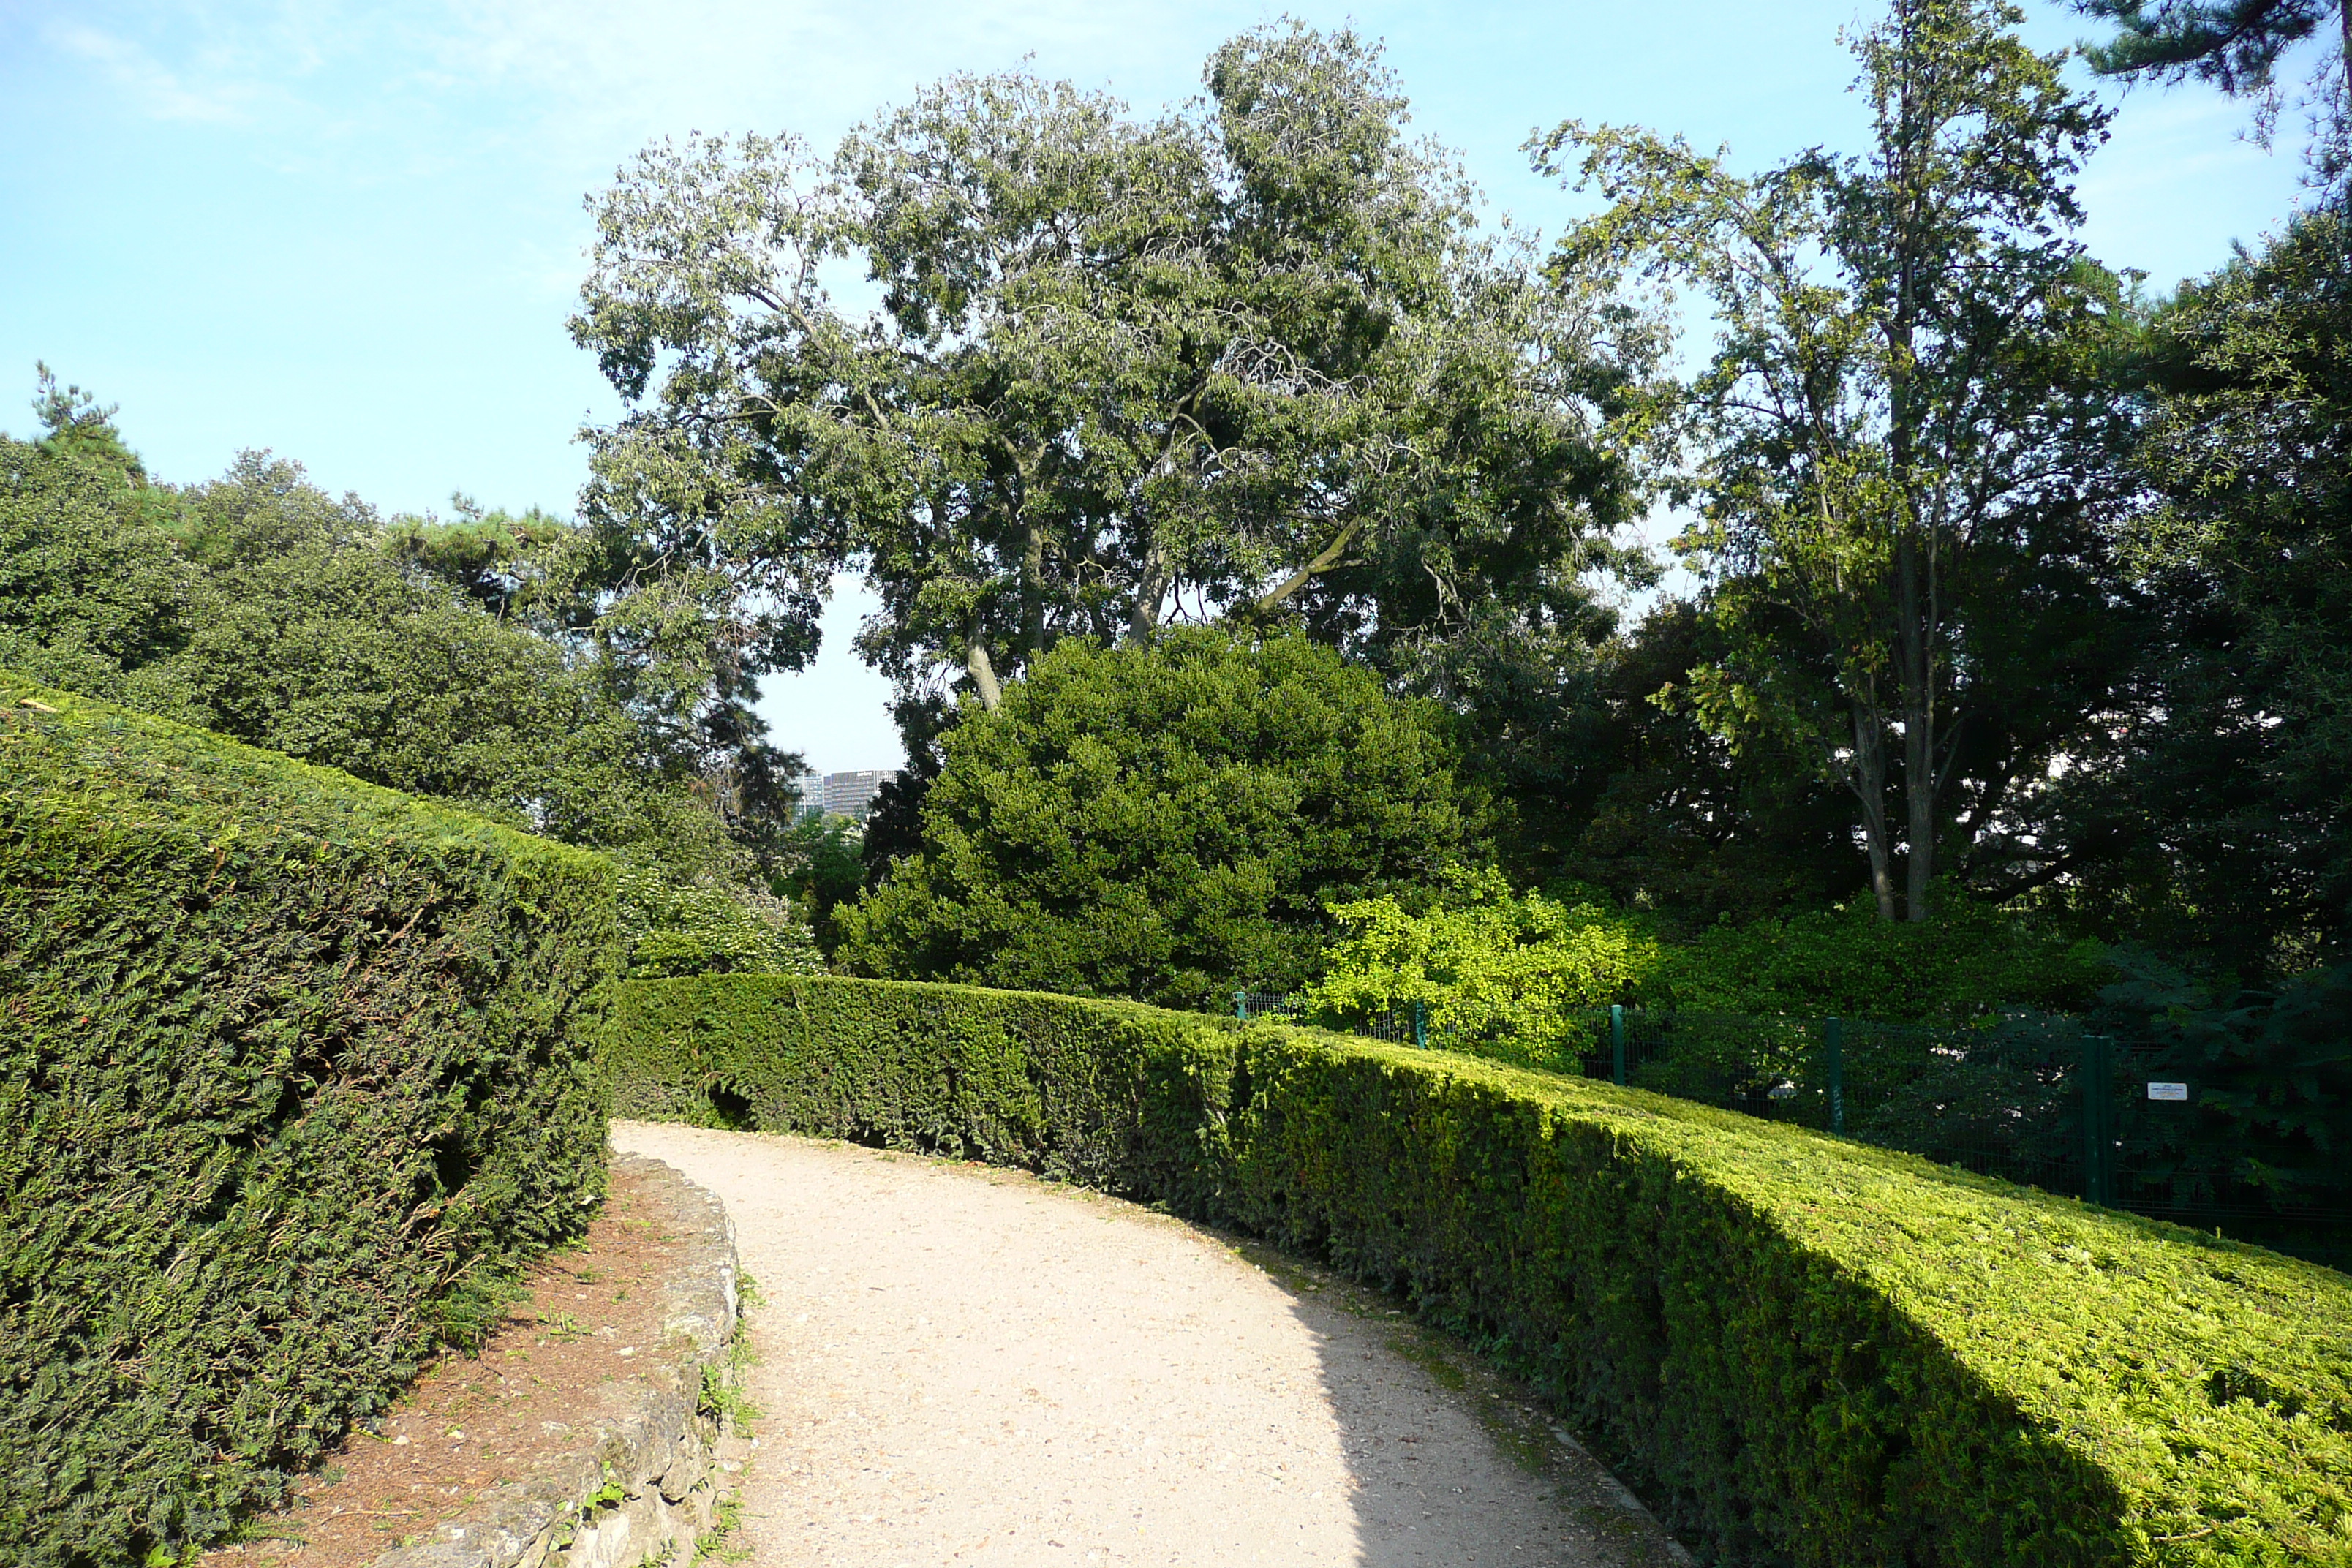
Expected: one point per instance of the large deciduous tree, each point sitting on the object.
(1904, 433)
(1250, 361)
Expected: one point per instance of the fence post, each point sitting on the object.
(1421, 1024)
(1834, 1047)
(2099, 1116)
(1617, 1042)
(1240, 1006)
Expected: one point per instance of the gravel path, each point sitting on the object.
(965, 1365)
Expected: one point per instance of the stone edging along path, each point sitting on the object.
(647, 1482)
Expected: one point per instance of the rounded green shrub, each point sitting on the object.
(1165, 821)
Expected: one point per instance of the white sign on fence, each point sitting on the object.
(2168, 1091)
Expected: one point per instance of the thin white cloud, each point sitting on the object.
(162, 92)
(604, 68)
(570, 88)
(2190, 139)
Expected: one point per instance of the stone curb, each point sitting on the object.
(648, 1483)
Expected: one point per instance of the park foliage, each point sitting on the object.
(292, 1069)
(1248, 531)
(1483, 963)
(497, 661)
(1251, 358)
(1486, 963)
(2012, 585)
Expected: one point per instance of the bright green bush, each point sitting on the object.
(1487, 963)
(1523, 973)
(1971, 961)
(669, 931)
(1801, 1351)
(290, 1068)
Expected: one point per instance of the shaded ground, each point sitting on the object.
(471, 1422)
(968, 1365)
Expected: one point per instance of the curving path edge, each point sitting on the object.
(958, 1364)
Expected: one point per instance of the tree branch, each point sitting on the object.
(1331, 556)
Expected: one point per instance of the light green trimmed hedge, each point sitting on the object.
(1799, 1350)
(289, 1065)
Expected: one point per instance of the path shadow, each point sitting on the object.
(1453, 1463)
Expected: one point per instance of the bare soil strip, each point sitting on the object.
(589, 1313)
(967, 1365)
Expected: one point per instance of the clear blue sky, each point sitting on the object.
(351, 232)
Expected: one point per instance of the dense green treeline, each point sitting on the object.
(2012, 605)
(2015, 597)
(2222, 819)
(493, 661)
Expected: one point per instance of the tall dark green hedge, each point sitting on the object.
(1800, 1350)
(288, 1067)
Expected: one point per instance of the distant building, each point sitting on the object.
(852, 795)
(809, 787)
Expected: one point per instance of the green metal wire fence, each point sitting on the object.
(2034, 1099)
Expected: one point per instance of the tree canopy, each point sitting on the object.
(1902, 436)
(2227, 784)
(2235, 45)
(1252, 361)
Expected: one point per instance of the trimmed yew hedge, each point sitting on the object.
(290, 1066)
(1799, 1350)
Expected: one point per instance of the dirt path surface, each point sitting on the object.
(966, 1365)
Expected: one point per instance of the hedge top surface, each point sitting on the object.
(136, 762)
(2209, 1378)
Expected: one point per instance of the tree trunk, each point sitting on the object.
(1158, 574)
(1868, 780)
(1914, 630)
(1915, 645)
(1143, 614)
(1919, 798)
(1032, 589)
(983, 674)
